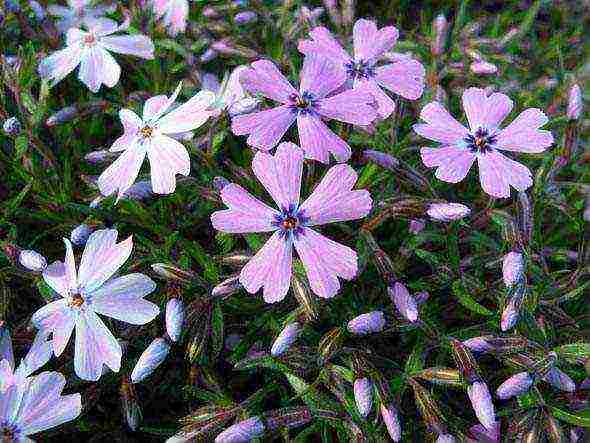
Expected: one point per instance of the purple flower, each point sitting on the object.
(446, 438)
(150, 359)
(333, 200)
(404, 302)
(446, 212)
(481, 67)
(242, 432)
(390, 417)
(285, 339)
(89, 292)
(575, 102)
(152, 136)
(367, 323)
(77, 12)
(481, 400)
(512, 268)
(363, 395)
(309, 106)
(483, 435)
(90, 49)
(405, 77)
(79, 235)
(174, 318)
(245, 17)
(482, 141)
(518, 384)
(229, 94)
(173, 13)
(511, 314)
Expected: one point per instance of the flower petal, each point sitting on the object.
(318, 141)
(355, 106)
(524, 135)
(189, 115)
(123, 172)
(101, 26)
(385, 105)
(59, 64)
(137, 45)
(62, 326)
(369, 42)
(322, 43)
(270, 269)
(324, 261)
(167, 158)
(440, 125)
(263, 77)
(281, 174)
(266, 128)
(55, 276)
(6, 346)
(131, 125)
(155, 107)
(452, 163)
(405, 78)
(245, 214)
(333, 200)
(483, 110)
(320, 76)
(497, 172)
(97, 67)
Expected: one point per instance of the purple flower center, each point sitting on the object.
(76, 301)
(481, 141)
(303, 103)
(290, 222)
(8, 433)
(90, 39)
(359, 69)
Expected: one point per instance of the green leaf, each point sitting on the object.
(21, 143)
(217, 329)
(467, 301)
(574, 352)
(578, 418)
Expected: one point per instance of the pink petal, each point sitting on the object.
(320, 76)
(59, 64)
(175, 16)
(497, 172)
(167, 158)
(101, 26)
(281, 174)
(333, 200)
(189, 115)
(266, 79)
(318, 141)
(95, 346)
(102, 257)
(440, 125)
(155, 107)
(121, 174)
(62, 328)
(483, 110)
(55, 276)
(70, 266)
(62, 410)
(385, 105)
(370, 43)
(48, 316)
(97, 67)
(270, 269)
(322, 43)
(324, 261)
(357, 107)
(452, 163)
(131, 125)
(137, 45)
(524, 135)
(405, 78)
(245, 213)
(6, 347)
(266, 128)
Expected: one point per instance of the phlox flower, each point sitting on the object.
(229, 94)
(483, 141)
(404, 77)
(173, 13)
(152, 136)
(91, 291)
(333, 200)
(91, 50)
(31, 404)
(77, 11)
(320, 77)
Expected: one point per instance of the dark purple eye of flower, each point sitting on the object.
(304, 102)
(359, 69)
(482, 141)
(76, 301)
(290, 223)
(291, 220)
(8, 433)
(90, 39)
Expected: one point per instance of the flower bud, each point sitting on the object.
(32, 260)
(219, 183)
(130, 405)
(446, 438)
(446, 212)
(244, 18)
(330, 344)
(481, 400)
(174, 318)
(367, 323)
(512, 268)
(173, 273)
(518, 384)
(227, 47)
(287, 418)
(12, 126)
(417, 225)
(575, 102)
(482, 67)
(285, 339)
(208, 55)
(237, 259)
(62, 116)
(510, 315)
(80, 234)
(305, 297)
(348, 12)
(440, 26)
(382, 159)
(96, 157)
(585, 384)
(391, 419)
(151, 358)
(242, 432)
(227, 287)
(483, 435)
(560, 380)
(441, 376)
(139, 191)
(478, 344)
(363, 395)
(404, 302)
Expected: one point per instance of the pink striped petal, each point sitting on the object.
(155, 107)
(333, 200)
(137, 45)
(62, 328)
(320, 76)
(98, 67)
(440, 125)
(524, 135)
(189, 115)
(131, 125)
(175, 16)
(318, 141)
(49, 315)
(497, 173)
(245, 213)
(483, 110)
(357, 107)
(385, 105)
(369, 42)
(70, 266)
(167, 158)
(121, 174)
(452, 163)
(324, 261)
(101, 26)
(270, 269)
(55, 276)
(59, 64)
(266, 128)
(265, 78)
(322, 43)
(281, 174)
(405, 78)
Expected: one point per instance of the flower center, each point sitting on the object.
(359, 69)
(303, 103)
(8, 433)
(481, 141)
(146, 131)
(290, 221)
(90, 39)
(76, 301)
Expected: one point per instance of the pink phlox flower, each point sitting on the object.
(91, 50)
(483, 141)
(90, 291)
(154, 136)
(333, 200)
(77, 11)
(230, 96)
(308, 107)
(404, 77)
(173, 13)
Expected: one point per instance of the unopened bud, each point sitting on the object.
(391, 419)
(287, 418)
(440, 26)
(382, 159)
(139, 191)
(441, 376)
(242, 432)
(174, 318)
(330, 343)
(481, 400)
(305, 297)
(560, 380)
(512, 268)
(403, 301)
(96, 157)
(510, 315)
(32, 260)
(518, 384)
(130, 405)
(417, 225)
(229, 48)
(446, 212)
(575, 102)
(243, 106)
(478, 344)
(446, 438)
(80, 234)
(227, 287)
(363, 395)
(237, 259)
(62, 116)
(483, 68)
(285, 339)
(12, 126)
(368, 323)
(208, 55)
(465, 361)
(173, 273)
(150, 359)
(246, 17)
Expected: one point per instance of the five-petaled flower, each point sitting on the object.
(152, 136)
(333, 200)
(90, 49)
(483, 141)
(77, 11)
(320, 77)
(404, 77)
(92, 291)
(173, 13)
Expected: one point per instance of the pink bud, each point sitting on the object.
(518, 384)
(367, 323)
(242, 432)
(510, 315)
(363, 395)
(481, 400)
(80, 234)
(416, 226)
(32, 260)
(483, 435)
(227, 287)
(174, 318)
(285, 339)
(483, 68)
(440, 26)
(382, 159)
(575, 102)
(446, 212)
(391, 419)
(446, 438)
(478, 344)
(404, 302)
(512, 268)
(560, 380)
(243, 18)
(150, 359)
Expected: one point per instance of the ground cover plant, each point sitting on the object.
(240, 221)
